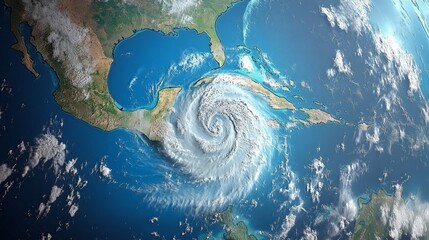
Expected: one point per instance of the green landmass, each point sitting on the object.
(368, 221)
(116, 19)
(107, 23)
(317, 116)
(234, 231)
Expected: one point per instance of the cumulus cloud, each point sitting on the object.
(350, 14)
(70, 166)
(314, 187)
(331, 72)
(294, 203)
(180, 8)
(246, 63)
(373, 136)
(44, 208)
(21, 147)
(46, 148)
(73, 209)
(355, 15)
(192, 61)
(340, 64)
(405, 218)
(287, 225)
(398, 61)
(105, 171)
(68, 40)
(55, 193)
(309, 234)
(5, 172)
(398, 77)
(346, 210)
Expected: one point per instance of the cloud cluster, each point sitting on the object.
(288, 189)
(246, 64)
(406, 219)
(340, 64)
(350, 14)
(105, 171)
(73, 209)
(309, 234)
(68, 40)
(192, 61)
(346, 210)
(397, 89)
(287, 225)
(5, 172)
(62, 176)
(314, 187)
(46, 148)
(44, 208)
(398, 63)
(180, 8)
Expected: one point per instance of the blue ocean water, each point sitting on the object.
(149, 61)
(302, 46)
(401, 21)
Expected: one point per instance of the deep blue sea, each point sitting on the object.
(149, 61)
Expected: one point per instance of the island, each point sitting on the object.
(234, 231)
(276, 102)
(368, 221)
(317, 116)
(391, 216)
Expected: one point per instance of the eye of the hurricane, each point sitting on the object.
(218, 136)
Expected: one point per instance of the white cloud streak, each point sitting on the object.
(340, 64)
(350, 14)
(346, 210)
(314, 187)
(192, 61)
(180, 8)
(5, 172)
(44, 208)
(406, 218)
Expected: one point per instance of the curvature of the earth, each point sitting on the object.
(258, 119)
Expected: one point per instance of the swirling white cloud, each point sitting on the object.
(218, 137)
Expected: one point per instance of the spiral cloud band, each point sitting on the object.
(218, 136)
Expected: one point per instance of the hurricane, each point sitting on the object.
(218, 138)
